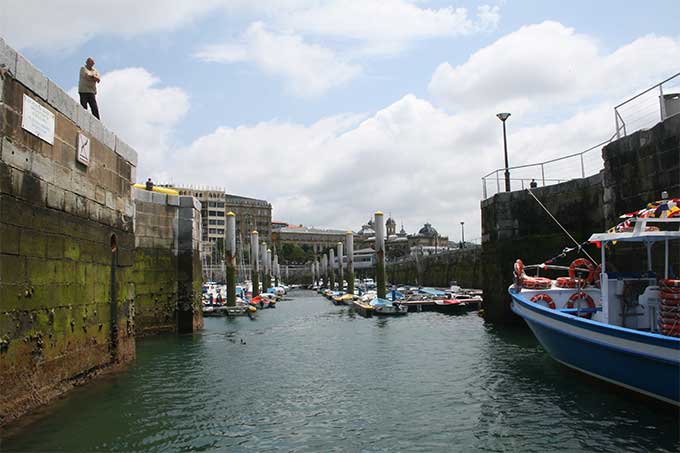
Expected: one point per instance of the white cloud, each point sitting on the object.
(66, 24)
(551, 63)
(410, 159)
(381, 25)
(142, 113)
(308, 69)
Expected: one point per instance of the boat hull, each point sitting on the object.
(643, 362)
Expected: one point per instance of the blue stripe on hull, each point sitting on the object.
(649, 376)
(596, 349)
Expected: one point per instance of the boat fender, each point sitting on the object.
(544, 298)
(580, 263)
(580, 295)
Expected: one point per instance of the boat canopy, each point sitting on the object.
(642, 231)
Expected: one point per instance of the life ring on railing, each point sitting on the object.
(578, 296)
(669, 296)
(579, 262)
(544, 298)
(536, 282)
(519, 269)
(568, 282)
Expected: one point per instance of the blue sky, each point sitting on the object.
(403, 89)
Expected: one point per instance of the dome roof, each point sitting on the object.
(428, 231)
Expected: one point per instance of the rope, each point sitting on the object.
(578, 246)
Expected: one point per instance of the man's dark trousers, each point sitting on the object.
(89, 98)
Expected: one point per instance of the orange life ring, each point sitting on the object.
(580, 295)
(670, 296)
(597, 275)
(536, 282)
(544, 298)
(579, 262)
(519, 268)
(568, 282)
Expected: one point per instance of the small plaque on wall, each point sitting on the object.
(83, 154)
(37, 120)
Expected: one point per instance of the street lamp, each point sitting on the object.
(503, 117)
(462, 234)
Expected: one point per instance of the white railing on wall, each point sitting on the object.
(553, 171)
(647, 108)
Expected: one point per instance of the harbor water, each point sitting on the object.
(310, 376)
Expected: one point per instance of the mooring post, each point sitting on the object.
(230, 250)
(341, 275)
(325, 270)
(276, 270)
(331, 261)
(380, 254)
(255, 262)
(263, 266)
(349, 244)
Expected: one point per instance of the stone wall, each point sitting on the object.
(71, 275)
(637, 168)
(515, 226)
(156, 268)
(66, 245)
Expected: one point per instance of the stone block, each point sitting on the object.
(15, 156)
(141, 195)
(173, 200)
(31, 77)
(55, 197)
(110, 201)
(159, 198)
(102, 134)
(8, 57)
(42, 167)
(61, 101)
(83, 119)
(126, 152)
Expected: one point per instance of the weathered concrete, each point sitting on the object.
(72, 273)
(66, 255)
(637, 168)
(156, 267)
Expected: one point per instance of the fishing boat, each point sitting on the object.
(621, 327)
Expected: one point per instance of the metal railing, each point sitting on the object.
(576, 165)
(645, 109)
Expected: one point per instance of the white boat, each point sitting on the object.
(621, 327)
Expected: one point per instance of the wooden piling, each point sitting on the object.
(230, 255)
(341, 266)
(255, 262)
(331, 266)
(349, 245)
(379, 225)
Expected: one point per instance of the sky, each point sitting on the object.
(333, 109)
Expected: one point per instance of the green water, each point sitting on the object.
(315, 377)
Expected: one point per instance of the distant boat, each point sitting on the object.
(621, 327)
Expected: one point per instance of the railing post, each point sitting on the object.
(662, 102)
(616, 120)
(583, 170)
(543, 174)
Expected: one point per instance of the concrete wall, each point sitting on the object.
(637, 168)
(156, 268)
(69, 268)
(66, 303)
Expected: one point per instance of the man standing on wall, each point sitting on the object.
(87, 86)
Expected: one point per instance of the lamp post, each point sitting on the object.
(462, 234)
(503, 117)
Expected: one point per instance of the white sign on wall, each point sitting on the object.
(83, 154)
(38, 120)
